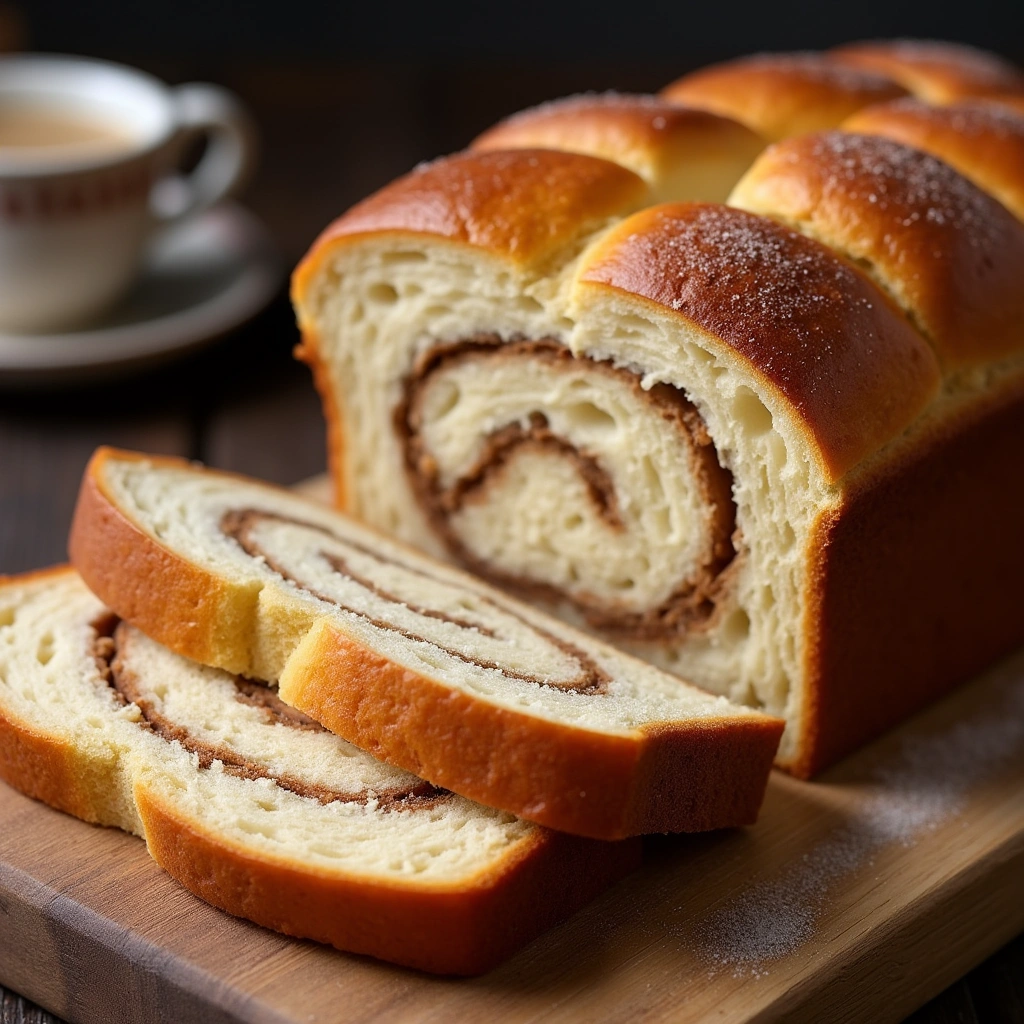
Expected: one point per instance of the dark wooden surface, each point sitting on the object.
(330, 135)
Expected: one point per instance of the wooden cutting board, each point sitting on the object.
(855, 898)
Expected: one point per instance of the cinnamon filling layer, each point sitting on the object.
(499, 449)
(128, 687)
(242, 525)
(693, 602)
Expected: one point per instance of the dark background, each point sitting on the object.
(463, 29)
(347, 96)
(352, 94)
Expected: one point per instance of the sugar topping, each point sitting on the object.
(969, 118)
(945, 251)
(808, 321)
(922, 787)
(891, 176)
(738, 272)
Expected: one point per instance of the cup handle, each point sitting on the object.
(208, 110)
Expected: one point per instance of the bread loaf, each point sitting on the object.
(784, 94)
(412, 660)
(758, 447)
(259, 810)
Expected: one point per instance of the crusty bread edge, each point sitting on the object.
(308, 352)
(39, 763)
(193, 612)
(357, 694)
(449, 928)
(462, 929)
(707, 774)
(875, 582)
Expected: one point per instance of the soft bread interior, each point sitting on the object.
(370, 820)
(601, 545)
(382, 307)
(304, 568)
(753, 651)
(52, 685)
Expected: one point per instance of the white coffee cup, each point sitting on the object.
(75, 218)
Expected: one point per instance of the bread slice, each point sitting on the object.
(419, 663)
(259, 810)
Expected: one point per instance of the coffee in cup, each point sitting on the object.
(87, 176)
(37, 130)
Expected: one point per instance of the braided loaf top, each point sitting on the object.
(827, 331)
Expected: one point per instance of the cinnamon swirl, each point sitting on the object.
(422, 665)
(259, 810)
(731, 438)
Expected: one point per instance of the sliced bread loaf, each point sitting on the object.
(417, 662)
(259, 810)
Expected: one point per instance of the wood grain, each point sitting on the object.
(15, 1010)
(93, 930)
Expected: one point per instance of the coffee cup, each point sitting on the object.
(88, 154)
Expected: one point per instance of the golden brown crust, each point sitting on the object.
(914, 586)
(782, 302)
(662, 778)
(938, 72)
(192, 611)
(647, 134)
(41, 766)
(457, 928)
(982, 140)
(1013, 101)
(463, 930)
(948, 253)
(445, 736)
(782, 94)
(37, 763)
(308, 352)
(522, 205)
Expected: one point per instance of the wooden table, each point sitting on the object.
(330, 136)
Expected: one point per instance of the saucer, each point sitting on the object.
(201, 278)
